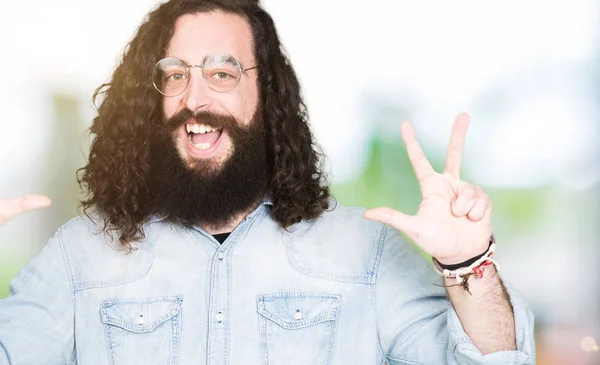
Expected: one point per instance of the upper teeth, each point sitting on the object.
(199, 128)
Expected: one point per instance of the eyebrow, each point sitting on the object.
(229, 61)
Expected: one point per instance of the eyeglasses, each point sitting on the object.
(221, 72)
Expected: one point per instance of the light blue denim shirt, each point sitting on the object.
(336, 290)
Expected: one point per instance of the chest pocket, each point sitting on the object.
(297, 328)
(143, 331)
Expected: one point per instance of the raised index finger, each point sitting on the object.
(417, 157)
(457, 145)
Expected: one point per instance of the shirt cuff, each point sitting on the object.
(465, 352)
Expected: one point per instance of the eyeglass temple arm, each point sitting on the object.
(202, 67)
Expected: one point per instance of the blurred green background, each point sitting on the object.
(527, 72)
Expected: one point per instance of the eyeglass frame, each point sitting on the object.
(189, 73)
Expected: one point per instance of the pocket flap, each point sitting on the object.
(297, 310)
(140, 315)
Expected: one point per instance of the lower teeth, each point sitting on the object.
(200, 146)
(203, 146)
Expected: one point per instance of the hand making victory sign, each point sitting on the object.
(453, 222)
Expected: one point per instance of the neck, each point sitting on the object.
(231, 224)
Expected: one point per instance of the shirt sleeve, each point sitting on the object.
(37, 317)
(417, 324)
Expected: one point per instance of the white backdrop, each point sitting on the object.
(526, 71)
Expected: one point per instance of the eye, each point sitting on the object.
(176, 77)
(221, 75)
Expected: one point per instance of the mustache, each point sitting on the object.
(205, 117)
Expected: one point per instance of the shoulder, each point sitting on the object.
(95, 258)
(339, 245)
(86, 233)
(340, 222)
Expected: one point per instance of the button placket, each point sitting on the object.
(220, 286)
(140, 320)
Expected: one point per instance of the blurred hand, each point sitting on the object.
(12, 207)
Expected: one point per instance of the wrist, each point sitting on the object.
(489, 285)
(489, 279)
(463, 259)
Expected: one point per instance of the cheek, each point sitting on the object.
(169, 106)
(240, 103)
(250, 103)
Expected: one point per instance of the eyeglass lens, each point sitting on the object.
(221, 72)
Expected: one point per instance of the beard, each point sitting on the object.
(202, 190)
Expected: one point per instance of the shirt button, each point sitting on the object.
(221, 256)
(298, 314)
(220, 317)
(140, 320)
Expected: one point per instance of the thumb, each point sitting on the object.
(390, 217)
(31, 202)
(12, 207)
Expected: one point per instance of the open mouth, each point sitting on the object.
(202, 136)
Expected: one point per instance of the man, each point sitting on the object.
(209, 236)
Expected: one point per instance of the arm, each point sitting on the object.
(37, 318)
(418, 325)
(453, 224)
(486, 315)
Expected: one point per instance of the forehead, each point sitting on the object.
(202, 34)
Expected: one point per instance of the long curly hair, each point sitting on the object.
(115, 180)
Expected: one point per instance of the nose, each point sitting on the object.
(198, 95)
